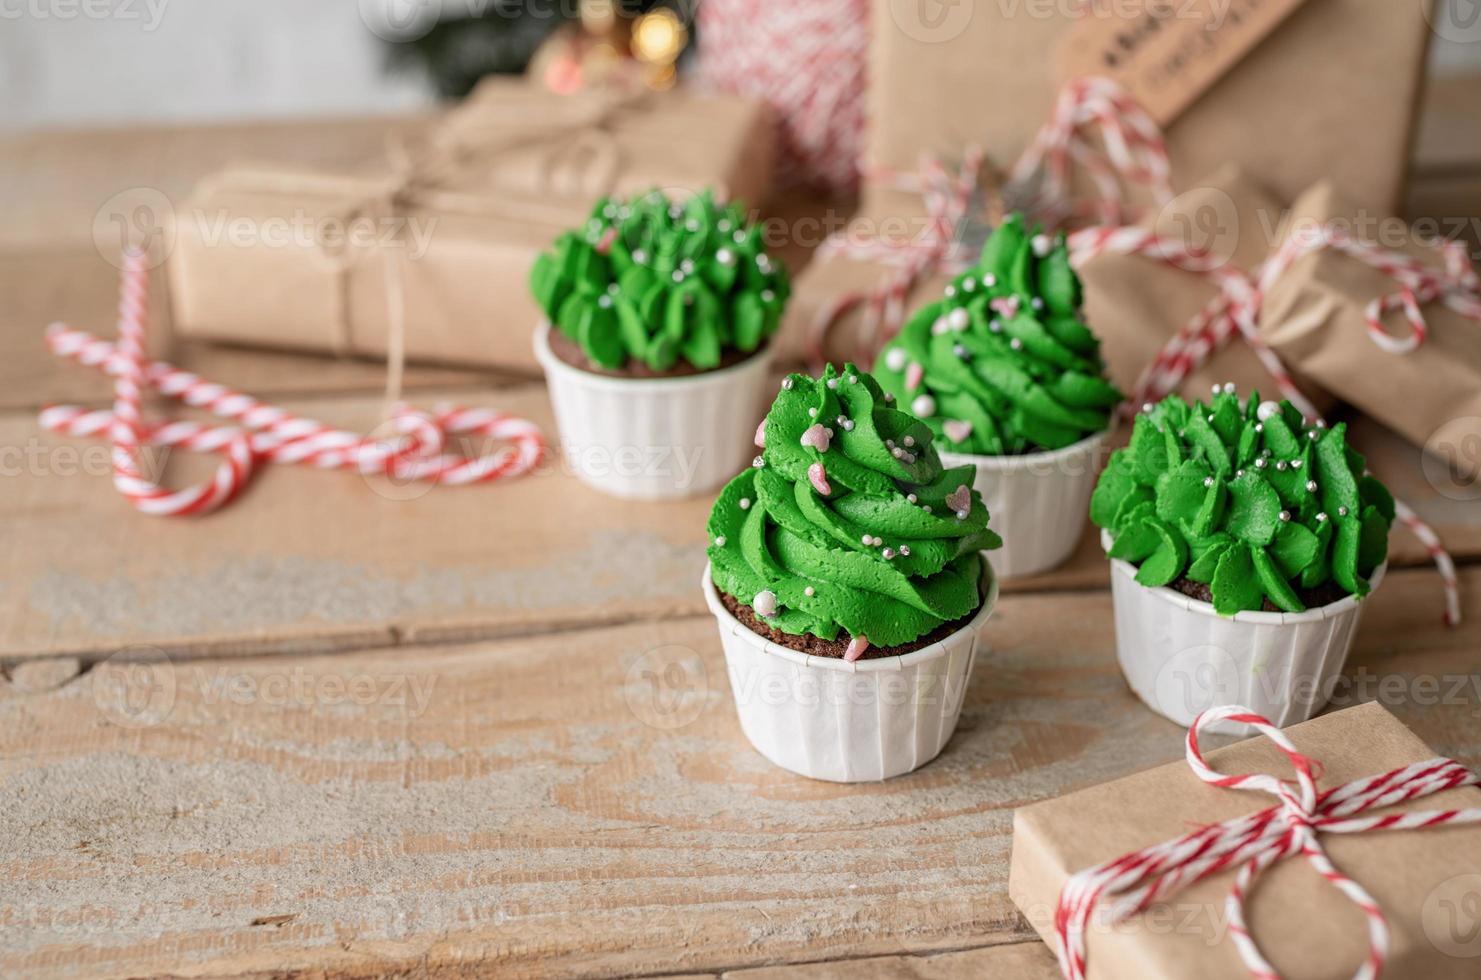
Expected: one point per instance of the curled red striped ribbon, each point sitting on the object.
(1133, 882)
(417, 449)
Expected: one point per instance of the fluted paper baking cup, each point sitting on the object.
(825, 718)
(655, 438)
(1181, 657)
(1039, 502)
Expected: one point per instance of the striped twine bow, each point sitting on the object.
(948, 198)
(264, 433)
(1132, 883)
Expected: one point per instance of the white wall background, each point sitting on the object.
(82, 62)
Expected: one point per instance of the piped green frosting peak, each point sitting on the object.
(848, 520)
(1004, 364)
(1248, 500)
(653, 280)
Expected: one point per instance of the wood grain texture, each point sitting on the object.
(558, 805)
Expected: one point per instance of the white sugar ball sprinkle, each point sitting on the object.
(1208, 481)
(809, 591)
(725, 256)
(1295, 464)
(1016, 344)
(958, 319)
(911, 497)
(895, 359)
(745, 503)
(924, 406)
(1042, 245)
(905, 550)
(989, 280)
(720, 541)
(1311, 486)
(1341, 511)
(968, 285)
(848, 425)
(853, 379)
(909, 441)
(812, 413)
(1037, 303)
(764, 603)
(1266, 410)
(687, 265)
(1285, 515)
(786, 384)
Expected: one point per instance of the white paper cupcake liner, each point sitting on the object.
(848, 722)
(1039, 503)
(658, 438)
(1181, 657)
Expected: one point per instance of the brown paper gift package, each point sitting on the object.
(1306, 928)
(1331, 93)
(514, 167)
(1315, 317)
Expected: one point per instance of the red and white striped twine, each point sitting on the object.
(265, 433)
(948, 198)
(1132, 883)
(808, 61)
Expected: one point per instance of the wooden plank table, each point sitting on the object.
(429, 736)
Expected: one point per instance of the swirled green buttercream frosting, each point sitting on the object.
(1250, 501)
(652, 280)
(848, 520)
(1004, 364)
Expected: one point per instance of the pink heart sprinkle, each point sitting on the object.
(856, 648)
(818, 477)
(913, 374)
(957, 430)
(1006, 306)
(761, 434)
(960, 499)
(817, 437)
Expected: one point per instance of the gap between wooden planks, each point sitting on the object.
(563, 805)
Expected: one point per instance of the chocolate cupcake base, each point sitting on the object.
(816, 646)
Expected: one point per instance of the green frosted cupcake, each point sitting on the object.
(1245, 506)
(847, 537)
(1004, 363)
(652, 287)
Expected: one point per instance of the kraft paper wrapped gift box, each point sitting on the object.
(455, 220)
(1316, 319)
(1306, 928)
(1330, 93)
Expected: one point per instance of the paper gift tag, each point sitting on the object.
(1167, 53)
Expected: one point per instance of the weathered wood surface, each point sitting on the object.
(564, 805)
